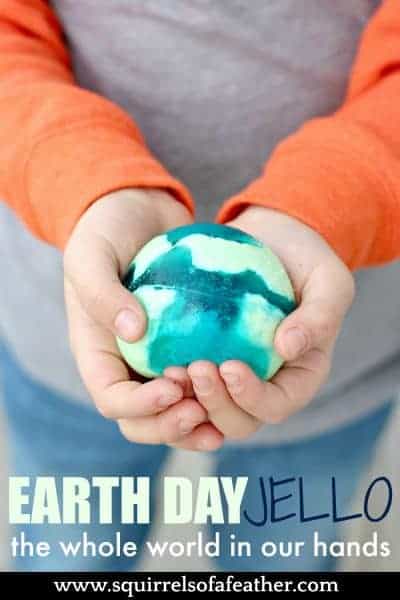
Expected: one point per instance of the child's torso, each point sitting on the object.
(214, 86)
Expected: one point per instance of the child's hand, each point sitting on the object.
(102, 244)
(237, 402)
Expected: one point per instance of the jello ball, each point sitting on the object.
(212, 293)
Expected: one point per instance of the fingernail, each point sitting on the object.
(295, 342)
(202, 384)
(186, 427)
(127, 324)
(165, 401)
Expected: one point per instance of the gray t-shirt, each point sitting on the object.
(214, 86)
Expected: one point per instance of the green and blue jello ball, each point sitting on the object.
(212, 293)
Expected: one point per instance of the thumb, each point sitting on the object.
(92, 267)
(325, 299)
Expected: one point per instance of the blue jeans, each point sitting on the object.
(50, 435)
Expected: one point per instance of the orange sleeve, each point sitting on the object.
(341, 174)
(61, 147)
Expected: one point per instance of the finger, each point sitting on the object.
(181, 376)
(325, 299)
(168, 427)
(211, 392)
(285, 394)
(105, 374)
(205, 438)
(93, 270)
(127, 399)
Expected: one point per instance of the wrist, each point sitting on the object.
(169, 211)
(154, 205)
(277, 229)
(156, 211)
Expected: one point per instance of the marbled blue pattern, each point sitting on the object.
(212, 230)
(208, 295)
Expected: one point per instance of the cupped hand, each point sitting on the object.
(237, 402)
(99, 251)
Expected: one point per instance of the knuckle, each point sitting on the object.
(318, 363)
(93, 302)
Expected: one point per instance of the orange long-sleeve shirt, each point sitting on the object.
(62, 147)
